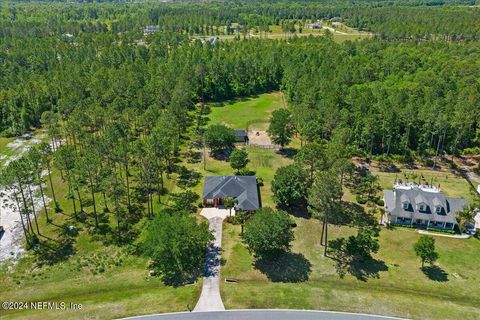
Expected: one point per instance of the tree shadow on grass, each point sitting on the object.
(369, 268)
(287, 267)
(299, 211)
(435, 273)
(52, 252)
(288, 152)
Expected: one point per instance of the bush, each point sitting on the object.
(380, 202)
(360, 199)
(407, 226)
(470, 151)
(260, 181)
(440, 230)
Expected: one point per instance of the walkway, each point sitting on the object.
(447, 235)
(263, 315)
(210, 299)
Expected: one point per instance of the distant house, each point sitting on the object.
(314, 26)
(242, 188)
(150, 30)
(213, 40)
(241, 136)
(237, 27)
(67, 37)
(421, 206)
(336, 19)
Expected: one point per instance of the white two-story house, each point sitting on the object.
(421, 206)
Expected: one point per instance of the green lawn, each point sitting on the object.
(238, 114)
(119, 291)
(394, 285)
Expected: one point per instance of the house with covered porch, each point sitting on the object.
(421, 206)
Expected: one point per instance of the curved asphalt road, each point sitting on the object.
(261, 315)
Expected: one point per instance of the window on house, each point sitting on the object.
(405, 205)
(422, 207)
(438, 209)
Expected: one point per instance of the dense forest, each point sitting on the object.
(396, 96)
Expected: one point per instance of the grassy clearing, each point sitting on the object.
(238, 114)
(394, 285)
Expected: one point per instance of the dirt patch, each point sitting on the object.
(259, 138)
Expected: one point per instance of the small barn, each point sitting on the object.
(241, 136)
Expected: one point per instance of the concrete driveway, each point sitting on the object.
(210, 299)
(216, 212)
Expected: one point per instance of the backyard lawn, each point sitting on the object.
(392, 285)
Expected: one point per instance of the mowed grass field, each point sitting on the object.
(393, 285)
(238, 114)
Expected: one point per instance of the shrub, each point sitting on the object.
(440, 230)
(360, 199)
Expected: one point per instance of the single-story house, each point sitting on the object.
(314, 26)
(421, 206)
(241, 136)
(243, 189)
(150, 30)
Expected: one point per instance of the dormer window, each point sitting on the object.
(405, 205)
(422, 207)
(438, 209)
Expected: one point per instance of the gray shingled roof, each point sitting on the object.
(242, 188)
(394, 200)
